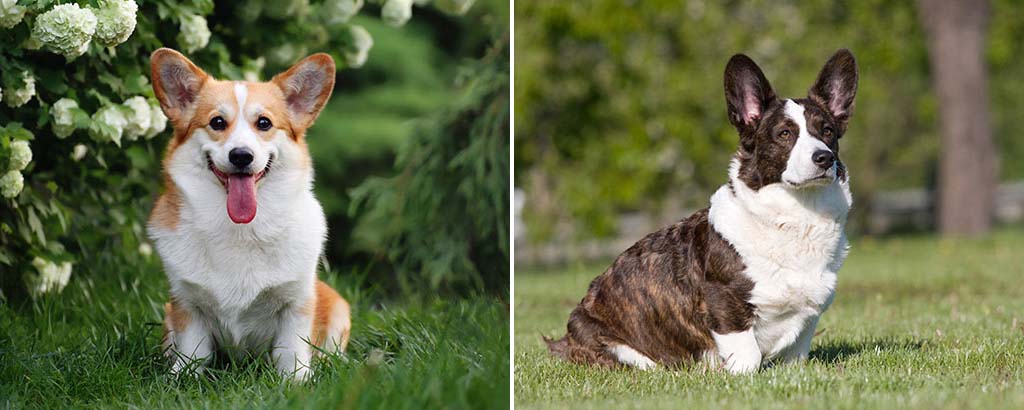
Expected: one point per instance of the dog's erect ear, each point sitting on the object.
(176, 83)
(836, 87)
(307, 85)
(748, 94)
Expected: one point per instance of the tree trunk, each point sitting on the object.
(956, 31)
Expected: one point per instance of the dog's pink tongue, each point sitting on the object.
(241, 198)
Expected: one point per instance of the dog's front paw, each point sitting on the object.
(739, 351)
(301, 374)
(183, 366)
(742, 363)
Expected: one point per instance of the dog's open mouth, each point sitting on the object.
(241, 191)
(223, 177)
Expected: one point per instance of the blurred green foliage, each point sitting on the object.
(443, 219)
(621, 107)
(415, 77)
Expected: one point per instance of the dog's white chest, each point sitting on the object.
(240, 276)
(792, 253)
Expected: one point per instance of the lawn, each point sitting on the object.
(97, 345)
(918, 322)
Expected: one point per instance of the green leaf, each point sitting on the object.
(37, 226)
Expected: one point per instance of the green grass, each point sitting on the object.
(97, 345)
(918, 322)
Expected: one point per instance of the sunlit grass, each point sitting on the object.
(918, 322)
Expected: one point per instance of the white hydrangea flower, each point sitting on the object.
(457, 7)
(115, 22)
(108, 124)
(362, 43)
(11, 184)
(145, 249)
(340, 11)
(17, 98)
(157, 120)
(51, 278)
(21, 155)
(396, 12)
(66, 29)
(79, 152)
(139, 117)
(10, 13)
(63, 115)
(195, 34)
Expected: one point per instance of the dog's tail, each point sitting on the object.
(560, 347)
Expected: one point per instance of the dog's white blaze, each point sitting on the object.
(800, 166)
(739, 351)
(242, 135)
(241, 93)
(629, 356)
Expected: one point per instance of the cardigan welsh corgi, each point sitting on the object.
(743, 282)
(237, 226)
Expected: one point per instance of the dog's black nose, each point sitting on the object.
(242, 157)
(823, 158)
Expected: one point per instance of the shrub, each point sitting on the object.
(443, 219)
(81, 134)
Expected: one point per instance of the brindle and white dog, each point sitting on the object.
(744, 281)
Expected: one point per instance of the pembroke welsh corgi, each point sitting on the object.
(237, 226)
(743, 282)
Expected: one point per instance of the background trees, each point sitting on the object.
(621, 109)
(967, 169)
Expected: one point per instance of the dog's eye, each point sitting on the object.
(785, 134)
(218, 123)
(827, 132)
(263, 123)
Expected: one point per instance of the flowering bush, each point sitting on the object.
(81, 133)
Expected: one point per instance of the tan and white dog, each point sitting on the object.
(243, 281)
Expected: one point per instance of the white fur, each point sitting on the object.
(792, 243)
(629, 356)
(739, 351)
(800, 166)
(248, 282)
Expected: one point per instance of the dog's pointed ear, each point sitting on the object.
(748, 95)
(176, 83)
(836, 87)
(306, 86)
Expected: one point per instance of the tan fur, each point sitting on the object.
(166, 210)
(331, 312)
(176, 319)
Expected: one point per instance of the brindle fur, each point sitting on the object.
(662, 297)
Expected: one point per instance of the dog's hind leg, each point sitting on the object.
(630, 357)
(332, 320)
